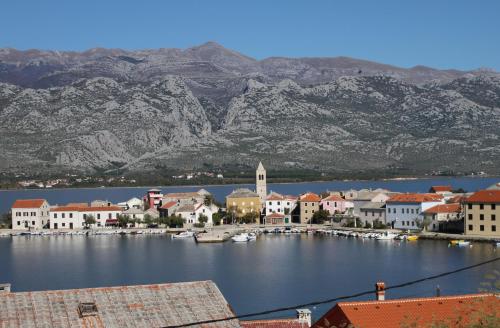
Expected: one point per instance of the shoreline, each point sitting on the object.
(400, 179)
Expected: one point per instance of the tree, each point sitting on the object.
(350, 223)
(217, 218)
(203, 219)
(250, 217)
(378, 225)
(367, 225)
(319, 217)
(423, 224)
(89, 220)
(148, 220)
(210, 199)
(6, 220)
(123, 220)
(174, 221)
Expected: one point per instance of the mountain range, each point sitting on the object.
(112, 109)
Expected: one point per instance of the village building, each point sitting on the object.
(334, 204)
(365, 196)
(153, 198)
(441, 311)
(370, 212)
(309, 204)
(134, 214)
(132, 203)
(444, 218)
(100, 203)
(191, 213)
(242, 201)
(282, 205)
(30, 214)
(482, 213)
(156, 305)
(261, 182)
(168, 209)
(73, 217)
(405, 211)
(441, 190)
(183, 198)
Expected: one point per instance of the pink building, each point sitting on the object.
(153, 198)
(334, 204)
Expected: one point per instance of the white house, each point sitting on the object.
(191, 213)
(73, 217)
(30, 214)
(132, 203)
(280, 204)
(364, 196)
(404, 211)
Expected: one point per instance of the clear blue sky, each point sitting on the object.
(440, 33)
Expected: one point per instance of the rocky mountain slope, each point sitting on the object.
(168, 108)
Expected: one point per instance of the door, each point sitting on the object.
(55, 225)
(71, 225)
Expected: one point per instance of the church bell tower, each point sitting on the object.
(260, 183)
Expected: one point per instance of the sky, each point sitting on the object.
(439, 33)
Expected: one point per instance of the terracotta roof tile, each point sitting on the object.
(418, 311)
(444, 208)
(310, 197)
(485, 196)
(334, 198)
(28, 203)
(440, 188)
(414, 198)
(168, 205)
(274, 196)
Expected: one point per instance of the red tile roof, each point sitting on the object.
(440, 188)
(333, 198)
(274, 196)
(28, 203)
(457, 199)
(485, 196)
(414, 198)
(274, 323)
(168, 205)
(310, 197)
(275, 216)
(444, 208)
(417, 312)
(86, 209)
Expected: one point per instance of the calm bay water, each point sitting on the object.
(63, 196)
(274, 271)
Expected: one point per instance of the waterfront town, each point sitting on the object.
(441, 210)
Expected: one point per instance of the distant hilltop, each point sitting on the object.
(208, 107)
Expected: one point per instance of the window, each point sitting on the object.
(470, 216)
(412, 223)
(109, 216)
(32, 222)
(493, 217)
(407, 210)
(469, 206)
(481, 206)
(18, 223)
(270, 203)
(493, 206)
(305, 204)
(470, 227)
(407, 223)
(279, 203)
(403, 223)
(366, 213)
(55, 215)
(403, 211)
(70, 215)
(305, 211)
(98, 216)
(373, 213)
(335, 204)
(481, 217)
(312, 211)
(63, 224)
(481, 227)
(493, 228)
(412, 211)
(288, 203)
(63, 215)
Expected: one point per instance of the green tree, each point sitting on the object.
(89, 220)
(217, 218)
(148, 220)
(210, 199)
(6, 220)
(319, 217)
(203, 219)
(250, 217)
(367, 225)
(175, 221)
(377, 224)
(123, 220)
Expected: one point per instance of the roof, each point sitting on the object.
(444, 208)
(334, 198)
(368, 195)
(440, 188)
(310, 197)
(168, 205)
(28, 203)
(186, 208)
(485, 196)
(132, 306)
(275, 216)
(86, 209)
(181, 195)
(414, 198)
(133, 210)
(416, 312)
(457, 199)
(275, 196)
(242, 193)
(373, 206)
(274, 323)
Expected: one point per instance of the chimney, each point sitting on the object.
(438, 291)
(380, 291)
(4, 288)
(304, 316)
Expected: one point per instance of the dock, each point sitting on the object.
(215, 236)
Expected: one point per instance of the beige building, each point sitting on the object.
(309, 204)
(482, 212)
(242, 201)
(30, 214)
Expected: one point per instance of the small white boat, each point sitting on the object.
(386, 236)
(242, 237)
(463, 243)
(252, 236)
(183, 235)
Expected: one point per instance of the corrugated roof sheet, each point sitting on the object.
(130, 306)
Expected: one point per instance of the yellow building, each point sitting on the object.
(242, 201)
(482, 212)
(309, 204)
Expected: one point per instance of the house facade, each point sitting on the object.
(364, 196)
(280, 204)
(482, 213)
(334, 204)
(309, 204)
(30, 214)
(404, 211)
(183, 198)
(370, 212)
(444, 218)
(191, 213)
(242, 201)
(73, 217)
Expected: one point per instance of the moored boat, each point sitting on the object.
(183, 235)
(242, 237)
(412, 238)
